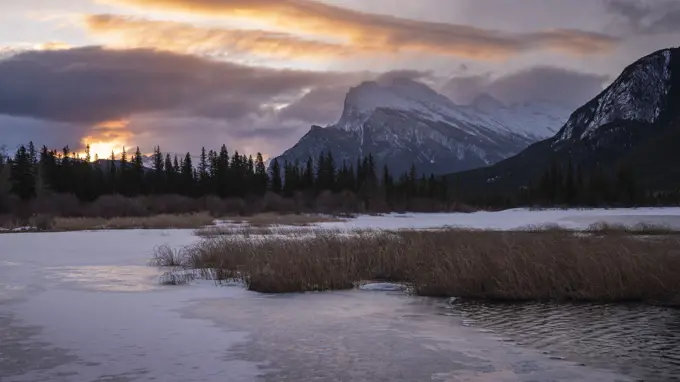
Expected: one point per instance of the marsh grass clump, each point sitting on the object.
(166, 256)
(543, 228)
(177, 277)
(272, 219)
(185, 221)
(551, 265)
(646, 229)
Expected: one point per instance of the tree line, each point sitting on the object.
(31, 173)
(569, 185)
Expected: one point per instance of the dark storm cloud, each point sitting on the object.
(92, 84)
(647, 17)
(561, 86)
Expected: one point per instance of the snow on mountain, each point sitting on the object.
(399, 94)
(632, 124)
(537, 120)
(404, 122)
(533, 120)
(639, 94)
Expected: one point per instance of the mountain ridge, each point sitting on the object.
(620, 127)
(402, 122)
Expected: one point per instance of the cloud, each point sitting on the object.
(565, 87)
(131, 32)
(318, 106)
(181, 133)
(388, 33)
(647, 17)
(16, 131)
(90, 85)
(109, 98)
(323, 105)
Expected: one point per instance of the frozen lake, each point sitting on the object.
(84, 306)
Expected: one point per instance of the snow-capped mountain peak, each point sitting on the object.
(396, 94)
(639, 94)
(404, 122)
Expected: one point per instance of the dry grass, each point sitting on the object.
(604, 228)
(274, 219)
(551, 265)
(151, 222)
(266, 224)
(244, 231)
(166, 256)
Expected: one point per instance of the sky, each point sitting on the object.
(256, 74)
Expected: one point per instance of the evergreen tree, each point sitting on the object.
(187, 173)
(88, 156)
(23, 182)
(261, 178)
(169, 175)
(32, 154)
(113, 175)
(570, 190)
(175, 166)
(123, 176)
(387, 183)
(137, 178)
(222, 172)
(203, 168)
(5, 184)
(308, 175)
(275, 182)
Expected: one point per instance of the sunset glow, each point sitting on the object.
(257, 74)
(108, 137)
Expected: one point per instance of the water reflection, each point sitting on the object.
(376, 336)
(108, 278)
(640, 341)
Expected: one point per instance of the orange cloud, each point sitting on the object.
(185, 38)
(388, 33)
(53, 45)
(106, 138)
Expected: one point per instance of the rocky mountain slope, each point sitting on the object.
(635, 122)
(403, 122)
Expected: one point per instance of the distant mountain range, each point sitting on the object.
(633, 123)
(403, 123)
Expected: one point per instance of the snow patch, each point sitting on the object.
(382, 287)
(638, 94)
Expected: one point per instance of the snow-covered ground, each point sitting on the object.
(514, 219)
(85, 306)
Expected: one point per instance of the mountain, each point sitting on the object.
(633, 123)
(402, 122)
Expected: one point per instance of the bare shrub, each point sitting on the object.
(169, 204)
(543, 228)
(605, 228)
(470, 264)
(43, 222)
(328, 202)
(274, 219)
(196, 220)
(211, 232)
(462, 207)
(110, 206)
(234, 206)
(351, 203)
(166, 256)
(177, 277)
(275, 203)
(57, 205)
